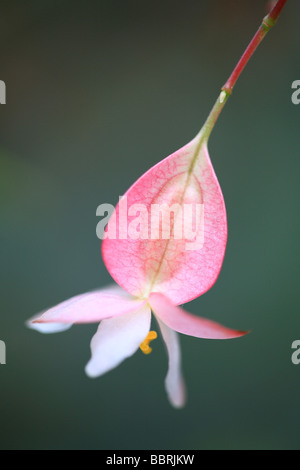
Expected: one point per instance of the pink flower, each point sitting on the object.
(155, 274)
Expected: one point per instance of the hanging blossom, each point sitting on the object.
(154, 275)
(160, 273)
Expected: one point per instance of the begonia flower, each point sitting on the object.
(155, 273)
(159, 266)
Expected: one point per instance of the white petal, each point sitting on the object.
(174, 382)
(92, 307)
(116, 339)
(47, 328)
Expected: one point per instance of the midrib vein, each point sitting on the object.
(189, 176)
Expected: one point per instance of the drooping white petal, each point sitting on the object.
(116, 339)
(47, 328)
(174, 382)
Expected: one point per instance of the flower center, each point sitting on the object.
(144, 346)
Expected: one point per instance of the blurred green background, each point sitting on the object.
(97, 93)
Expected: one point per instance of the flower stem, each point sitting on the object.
(268, 22)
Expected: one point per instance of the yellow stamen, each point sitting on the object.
(144, 346)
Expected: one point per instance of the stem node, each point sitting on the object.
(227, 90)
(268, 22)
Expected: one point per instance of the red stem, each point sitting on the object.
(276, 10)
(266, 25)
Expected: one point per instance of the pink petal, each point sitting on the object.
(117, 339)
(174, 382)
(92, 307)
(183, 322)
(142, 266)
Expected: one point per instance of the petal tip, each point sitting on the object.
(243, 333)
(89, 371)
(46, 327)
(179, 405)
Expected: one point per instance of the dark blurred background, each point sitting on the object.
(97, 93)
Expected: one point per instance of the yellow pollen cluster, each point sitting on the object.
(144, 346)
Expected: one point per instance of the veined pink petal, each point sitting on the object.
(183, 322)
(174, 382)
(47, 328)
(117, 339)
(180, 269)
(92, 307)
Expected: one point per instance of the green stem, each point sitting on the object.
(213, 115)
(268, 22)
